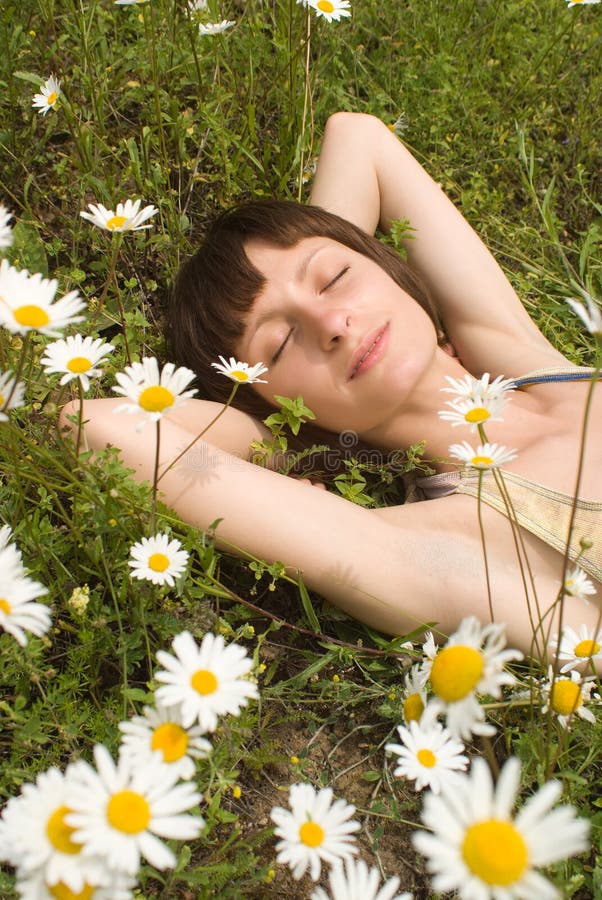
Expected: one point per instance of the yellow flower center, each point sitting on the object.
(477, 414)
(31, 316)
(5, 606)
(158, 562)
(62, 892)
(171, 740)
(326, 6)
(52, 98)
(455, 672)
(155, 398)
(482, 461)
(426, 758)
(129, 812)
(59, 833)
(204, 682)
(116, 222)
(565, 697)
(1, 399)
(495, 852)
(586, 648)
(311, 834)
(239, 375)
(413, 707)
(78, 364)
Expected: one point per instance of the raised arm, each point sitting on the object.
(366, 175)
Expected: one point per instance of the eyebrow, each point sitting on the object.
(300, 274)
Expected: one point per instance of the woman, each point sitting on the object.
(366, 352)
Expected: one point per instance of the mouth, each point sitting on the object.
(369, 352)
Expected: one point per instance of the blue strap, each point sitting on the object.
(560, 376)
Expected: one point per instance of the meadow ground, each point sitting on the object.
(501, 101)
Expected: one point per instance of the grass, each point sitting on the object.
(502, 104)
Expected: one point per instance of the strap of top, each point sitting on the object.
(543, 376)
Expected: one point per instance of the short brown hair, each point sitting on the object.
(216, 288)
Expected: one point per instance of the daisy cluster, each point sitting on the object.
(476, 402)
(85, 832)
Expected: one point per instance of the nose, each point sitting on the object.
(329, 325)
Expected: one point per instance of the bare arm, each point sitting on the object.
(477, 303)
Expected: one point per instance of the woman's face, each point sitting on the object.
(332, 326)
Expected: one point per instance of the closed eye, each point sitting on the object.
(278, 352)
(335, 279)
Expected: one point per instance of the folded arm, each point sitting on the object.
(366, 175)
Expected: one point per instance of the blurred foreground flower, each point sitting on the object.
(580, 2)
(152, 392)
(471, 663)
(158, 559)
(39, 843)
(130, 2)
(206, 681)
(11, 394)
(18, 611)
(241, 371)
(26, 303)
(590, 314)
(330, 9)
(427, 754)
(127, 217)
(48, 97)
(314, 830)
(161, 731)
(486, 456)
(479, 850)
(577, 649)
(215, 27)
(6, 232)
(567, 697)
(76, 357)
(119, 811)
(357, 882)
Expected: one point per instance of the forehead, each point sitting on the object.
(275, 263)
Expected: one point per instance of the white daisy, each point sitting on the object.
(567, 697)
(427, 754)
(357, 882)
(127, 217)
(18, 610)
(152, 392)
(161, 731)
(577, 649)
(400, 125)
(580, 2)
(130, 2)
(197, 5)
(208, 681)
(215, 27)
(331, 9)
(76, 357)
(11, 563)
(6, 232)
(486, 456)
(48, 97)
(477, 389)
(26, 303)
(314, 830)
(114, 887)
(476, 401)
(414, 702)
(479, 850)
(11, 394)
(590, 314)
(158, 559)
(578, 585)
(40, 842)
(471, 664)
(119, 810)
(241, 371)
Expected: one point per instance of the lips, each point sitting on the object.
(369, 351)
